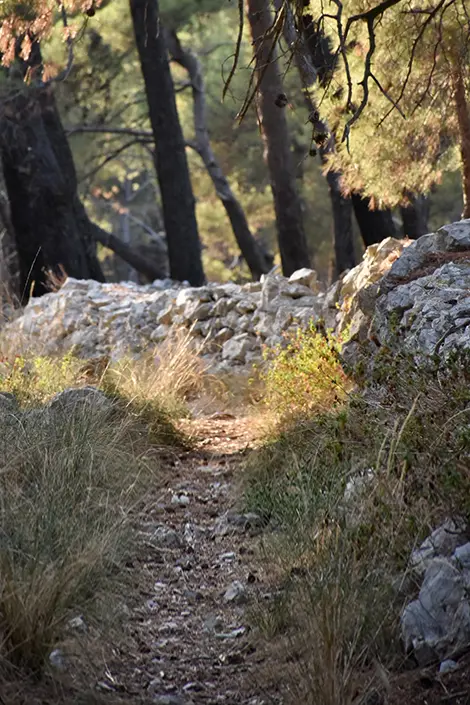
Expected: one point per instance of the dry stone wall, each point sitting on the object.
(404, 295)
(230, 322)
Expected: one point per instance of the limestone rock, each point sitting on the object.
(306, 277)
(84, 397)
(8, 404)
(438, 622)
(237, 347)
(442, 542)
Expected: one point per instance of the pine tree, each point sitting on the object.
(398, 96)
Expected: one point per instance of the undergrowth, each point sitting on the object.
(350, 485)
(70, 482)
(305, 374)
(68, 485)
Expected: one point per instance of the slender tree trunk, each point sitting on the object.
(463, 117)
(374, 225)
(415, 217)
(184, 248)
(257, 260)
(287, 204)
(310, 65)
(345, 256)
(9, 266)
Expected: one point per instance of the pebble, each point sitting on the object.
(57, 659)
(236, 593)
(78, 624)
(213, 623)
(448, 665)
(180, 499)
(164, 537)
(168, 700)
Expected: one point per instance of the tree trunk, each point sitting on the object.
(287, 204)
(9, 267)
(345, 256)
(309, 55)
(463, 117)
(258, 261)
(43, 198)
(374, 225)
(184, 248)
(415, 217)
(46, 214)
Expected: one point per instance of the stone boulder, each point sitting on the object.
(436, 626)
(420, 306)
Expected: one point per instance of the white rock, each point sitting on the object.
(448, 666)
(442, 542)
(78, 624)
(235, 593)
(438, 622)
(306, 277)
(57, 660)
(237, 347)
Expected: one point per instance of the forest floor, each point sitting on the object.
(183, 639)
(195, 579)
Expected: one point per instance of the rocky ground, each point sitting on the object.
(190, 636)
(184, 634)
(185, 638)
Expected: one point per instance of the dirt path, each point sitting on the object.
(189, 639)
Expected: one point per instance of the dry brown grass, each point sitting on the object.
(172, 374)
(339, 547)
(68, 484)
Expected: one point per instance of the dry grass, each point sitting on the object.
(351, 491)
(172, 374)
(68, 484)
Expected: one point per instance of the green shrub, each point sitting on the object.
(35, 379)
(305, 376)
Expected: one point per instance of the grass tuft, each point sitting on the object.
(68, 485)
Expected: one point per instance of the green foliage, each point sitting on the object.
(351, 490)
(392, 151)
(34, 380)
(305, 376)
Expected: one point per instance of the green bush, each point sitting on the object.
(305, 376)
(34, 379)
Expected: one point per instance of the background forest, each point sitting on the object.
(105, 114)
(265, 111)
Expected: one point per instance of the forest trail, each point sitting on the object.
(188, 638)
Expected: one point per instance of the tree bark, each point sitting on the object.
(258, 261)
(374, 225)
(310, 58)
(45, 208)
(463, 117)
(46, 214)
(345, 256)
(287, 204)
(415, 217)
(184, 248)
(9, 266)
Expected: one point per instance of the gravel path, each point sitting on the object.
(190, 641)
